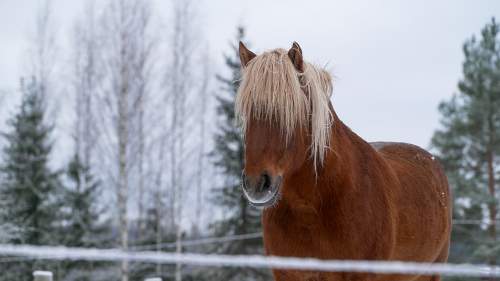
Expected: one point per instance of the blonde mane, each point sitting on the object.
(272, 89)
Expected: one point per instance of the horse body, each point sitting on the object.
(385, 201)
(380, 201)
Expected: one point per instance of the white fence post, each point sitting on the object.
(42, 276)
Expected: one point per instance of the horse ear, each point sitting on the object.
(245, 55)
(295, 54)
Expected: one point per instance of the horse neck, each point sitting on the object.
(345, 153)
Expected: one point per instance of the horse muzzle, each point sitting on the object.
(262, 191)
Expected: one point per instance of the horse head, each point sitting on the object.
(284, 109)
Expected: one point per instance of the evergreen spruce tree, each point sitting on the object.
(8, 230)
(141, 271)
(240, 217)
(83, 226)
(469, 147)
(29, 189)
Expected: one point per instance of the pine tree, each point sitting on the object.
(469, 147)
(29, 186)
(240, 218)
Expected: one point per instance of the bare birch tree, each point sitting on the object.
(143, 74)
(181, 77)
(162, 139)
(203, 95)
(86, 81)
(43, 49)
(126, 54)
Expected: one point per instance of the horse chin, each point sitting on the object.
(267, 200)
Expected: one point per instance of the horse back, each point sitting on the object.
(422, 200)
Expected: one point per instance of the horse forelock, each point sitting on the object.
(272, 89)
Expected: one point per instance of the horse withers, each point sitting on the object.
(325, 192)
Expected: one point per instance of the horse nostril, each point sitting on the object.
(265, 182)
(261, 190)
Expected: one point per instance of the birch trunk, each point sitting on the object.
(122, 155)
(203, 93)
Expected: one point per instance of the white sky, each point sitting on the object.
(393, 60)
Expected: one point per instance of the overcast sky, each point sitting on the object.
(393, 61)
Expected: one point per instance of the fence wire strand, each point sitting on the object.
(200, 241)
(380, 267)
(237, 237)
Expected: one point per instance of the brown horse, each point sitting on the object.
(327, 193)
